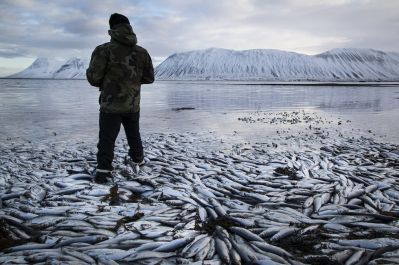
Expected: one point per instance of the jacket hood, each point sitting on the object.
(123, 33)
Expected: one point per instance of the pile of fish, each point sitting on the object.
(338, 204)
(288, 117)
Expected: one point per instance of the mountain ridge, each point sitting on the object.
(336, 65)
(341, 64)
(45, 68)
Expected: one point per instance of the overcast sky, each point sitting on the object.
(66, 28)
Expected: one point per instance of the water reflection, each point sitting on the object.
(267, 97)
(38, 109)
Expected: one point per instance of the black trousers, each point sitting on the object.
(110, 125)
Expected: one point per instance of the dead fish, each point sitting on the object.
(173, 245)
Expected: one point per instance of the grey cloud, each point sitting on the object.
(332, 23)
(63, 28)
(354, 21)
(9, 51)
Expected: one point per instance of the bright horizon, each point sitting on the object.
(64, 29)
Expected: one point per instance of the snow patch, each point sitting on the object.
(74, 68)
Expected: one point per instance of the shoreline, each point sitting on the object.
(253, 126)
(251, 82)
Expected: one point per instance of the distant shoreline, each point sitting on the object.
(289, 83)
(257, 82)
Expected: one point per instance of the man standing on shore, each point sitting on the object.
(118, 68)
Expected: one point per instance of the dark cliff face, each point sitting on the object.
(74, 63)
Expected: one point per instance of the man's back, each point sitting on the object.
(118, 68)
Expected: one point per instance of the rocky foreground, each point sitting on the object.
(258, 203)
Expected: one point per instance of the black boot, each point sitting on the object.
(134, 162)
(140, 162)
(101, 177)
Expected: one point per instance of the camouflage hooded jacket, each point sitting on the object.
(118, 68)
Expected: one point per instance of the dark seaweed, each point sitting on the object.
(286, 171)
(6, 238)
(210, 225)
(128, 219)
(113, 196)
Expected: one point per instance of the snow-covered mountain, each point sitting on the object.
(275, 65)
(267, 65)
(74, 68)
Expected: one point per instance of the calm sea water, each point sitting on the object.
(59, 110)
